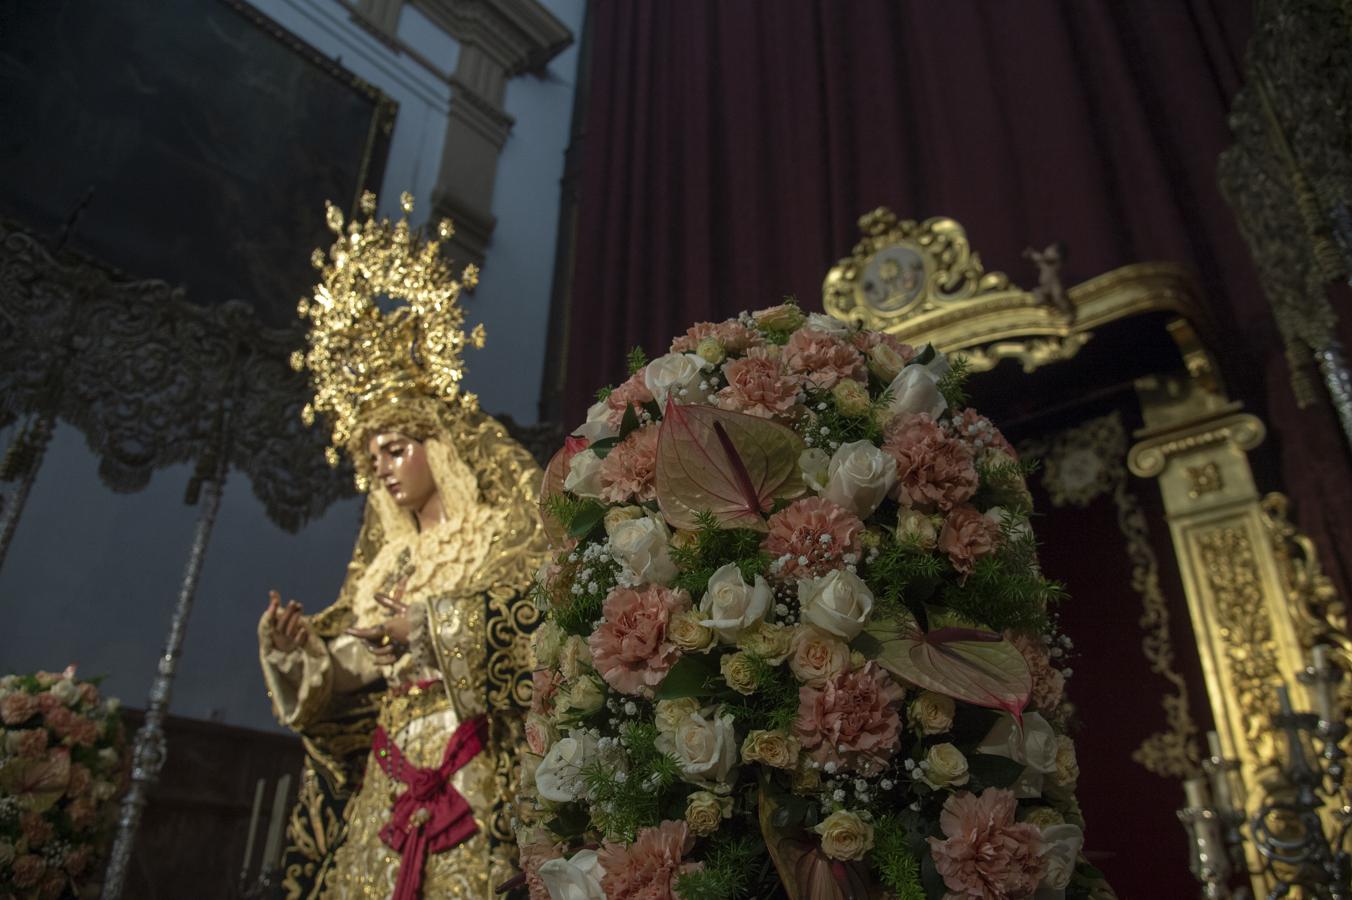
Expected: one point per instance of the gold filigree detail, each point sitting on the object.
(922, 282)
(1229, 564)
(1204, 479)
(1079, 465)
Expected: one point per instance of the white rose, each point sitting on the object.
(66, 691)
(111, 706)
(584, 474)
(838, 603)
(581, 698)
(545, 644)
(704, 746)
(576, 878)
(916, 390)
(1034, 746)
(643, 547)
(944, 766)
(915, 527)
(104, 790)
(574, 657)
(815, 464)
(679, 374)
(731, 606)
(1061, 845)
(671, 713)
(859, 477)
(559, 775)
(597, 428)
(827, 325)
(1017, 528)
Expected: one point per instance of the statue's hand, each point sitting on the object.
(389, 640)
(289, 628)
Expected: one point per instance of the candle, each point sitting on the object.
(1323, 683)
(1195, 789)
(1213, 739)
(1321, 658)
(1284, 699)
(273, 848)
(253, 827)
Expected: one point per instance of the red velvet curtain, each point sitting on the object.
(730, 146)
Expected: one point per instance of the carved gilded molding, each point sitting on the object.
(923, 282)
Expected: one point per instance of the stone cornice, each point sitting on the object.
(521, 35)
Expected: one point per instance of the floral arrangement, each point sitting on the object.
(797, 641)
(61, 766)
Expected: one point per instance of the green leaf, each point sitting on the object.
(551, 487)
(571, 820)
(637, 360)
(689, 677)
(629, 423)
(603, 447)
(967, 664)
(993, 770)
(925, 356)
(730, 465)
(586, 519)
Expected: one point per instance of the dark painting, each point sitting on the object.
(210, 138)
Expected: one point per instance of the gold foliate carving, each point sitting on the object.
(386, 327)
(1320, 615)
(1081, 464)
(922, 282)
(1230, 566)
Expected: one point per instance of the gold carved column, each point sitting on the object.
(1196, 443)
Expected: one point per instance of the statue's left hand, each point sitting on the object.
(389, 640)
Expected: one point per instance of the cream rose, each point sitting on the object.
(807, 778)
(1067, 766)
(558, 778)
(859, 477)
(580, 698)
(576, 878)
(769, 642)
(1061, 848)
(540, 733)
(670, 713)
(739, 671)
(814, 463)
(932, 712)
(776, 749)
(845, 835)
(731, 606)
(617, 514)
(914, 527)
(916, 390)
(704, 812)
(1043, 817)
(686, 632)
(944, 766)
(827, 325)
(884, 362)
(784, 317)
(574, 657)
(704, 746)
(584, 474)
(642, 546)
(712, 351)
(66, 691)
(677, 375)
(6, 853)
(597, 427)
(816, 656)
(545, 645)
(838, 603)
(851, 398)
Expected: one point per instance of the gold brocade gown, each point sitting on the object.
(464, 581)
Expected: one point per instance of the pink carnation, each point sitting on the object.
(822, 360)
(78, 860)
(629, 470)
(89, 695)
(30, 742)
(852, 719)
(27, 870)
(796, 544)
(758, 385)
(53, 886)
(630, 650)
(934, 471)
(82, 812)
(534, 855)
(733, 335)
(648, 868)
(980, 434)
(632, 393)
(79, 782)
(545, 684)
(985, 854)
(1048, 683)
(18, 708)
(36, 830)
(47, 701)
(967, 536)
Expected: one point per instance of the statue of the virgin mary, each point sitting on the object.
(409, 689)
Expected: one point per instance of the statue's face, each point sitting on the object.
(401, 468)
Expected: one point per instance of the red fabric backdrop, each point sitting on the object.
(730, 146)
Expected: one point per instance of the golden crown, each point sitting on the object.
(386, 327)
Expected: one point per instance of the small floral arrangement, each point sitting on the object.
(61, 766)
(797, 641)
